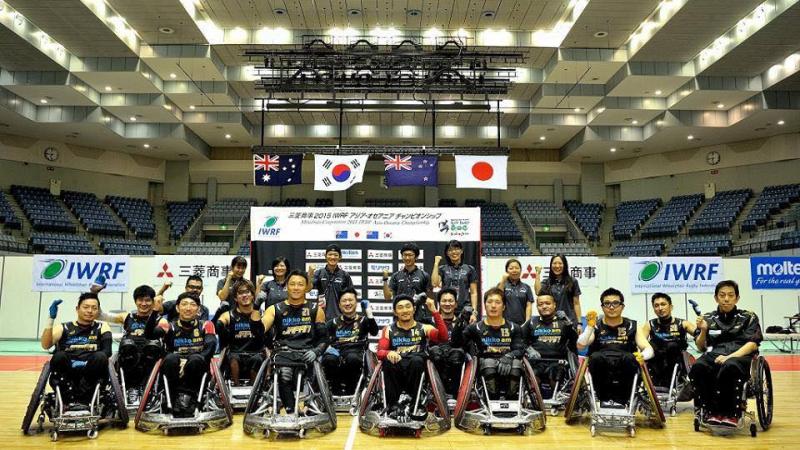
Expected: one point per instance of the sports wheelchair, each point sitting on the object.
(237, 395)
(313, 408)
(428, 412)
(583, 399)
(349, 403)
(476, 410)
(555, 396)
(106, 407)
(759, 388)
(678, 387)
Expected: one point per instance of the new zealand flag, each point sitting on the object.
(411, 170)
(277, 170)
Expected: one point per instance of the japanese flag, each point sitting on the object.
(482, 172)
(338, 172)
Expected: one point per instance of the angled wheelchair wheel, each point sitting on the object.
(439, 394)
(657, 414)
(118, 401)
(763, 393)
(536, 393)
(221, 388)
(570, 412)
(36, 397)
(263, 377)
(325, 393)
(465, 388)
(149, 394)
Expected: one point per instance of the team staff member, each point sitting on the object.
(457, 275)
(194, 285)
(343, 361)
(729, 336)
(549, 337)
(667, 336)
(274, 291)
(242, 333)
(225, 291)
(410, 280)
(518, 295)
(82, 349)
(330, 281)
(190, 343)
(614, 345)
(564, 287)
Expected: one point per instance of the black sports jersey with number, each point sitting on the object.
(413, 340)
(243, 339)
(729, 332)
(294, 325)
(662, 333)
(79, 341)
(351, 333)
(553, 338)
(621, 337)
(134, 327)
(186, 340)
(490, 341)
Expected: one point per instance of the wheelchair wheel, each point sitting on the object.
(658, 419)
(221, 388)
(148, 394)
(36, 397)
(536, 393)
(325, 393)
(577, 387)
(118, 402)
(439, 394)
(465, 389)
(763, 393)
(263, 376)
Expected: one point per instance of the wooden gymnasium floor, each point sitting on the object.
(18, 375)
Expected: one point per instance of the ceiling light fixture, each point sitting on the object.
(690, 137)
(172, 75)
(132, 118)
(781, 122)
(191, 107)
(488, 14)
(601, 110)
(658, 92)
(146, 146)
(413, 12)
(720, 105)
(227, 136)
(635, 122)
(353, 12)
(166, 30)
(685, 92)
(107, 88)
(577, 109)
(612, 149)
(542, 138)
(601, 34)
(43, 101)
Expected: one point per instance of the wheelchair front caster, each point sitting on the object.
(753, 430)
(593, 430)
(696, 424)
(418, 433)
(266, 434)
(302, 433)
(41, 422)
(632, 431)
(522, 429)
(673, 411)
(487, 430)
(54, 436)
(92, 434)
(554, 412)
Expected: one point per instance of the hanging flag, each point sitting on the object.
(277, 170)
(419, 170)
(482, 172)
(337, 173)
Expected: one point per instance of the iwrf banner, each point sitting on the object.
(685, 274)
(75, 273)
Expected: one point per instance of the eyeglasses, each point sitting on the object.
(611, 305)
(194, 287)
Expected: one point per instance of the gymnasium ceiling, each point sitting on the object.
(167, 78)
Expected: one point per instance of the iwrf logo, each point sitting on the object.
(53, 268)
(269, 228)
(650, 270)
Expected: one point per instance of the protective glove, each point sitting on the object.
(591, 319)
(309, 356)
(98, 284)
(223, 307)
(419, 300)
(504, 366)
(639, 357)
(364, 305)
(466, 313)
(531, 353)
(54, 308)
(332, 351)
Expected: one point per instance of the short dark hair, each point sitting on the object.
(448, 290)
(513, 260)
(546, 291)
(494, 291)
(410, 246)
(194, 278)
(189, 295)
(612, 291)
(455, 243)
(296, 273)
(349, 290)
(88, 296)
(727, 283)
(333, 248)
(144, 291)
(658, 295)
(239, 261)
(284, 260)
(246, 283)
(398, 298)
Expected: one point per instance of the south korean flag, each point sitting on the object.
(338, 172)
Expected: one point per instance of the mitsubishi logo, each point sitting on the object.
(164, 272)
(528, 272)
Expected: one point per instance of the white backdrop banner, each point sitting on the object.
(686, 274)
(365, 224)
(582, 268)
(178, 268)
(75, 273)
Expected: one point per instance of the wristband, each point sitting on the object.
(50, 322)
(385, 279)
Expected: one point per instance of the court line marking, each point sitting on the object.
(351, 437)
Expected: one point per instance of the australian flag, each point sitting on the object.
(411, 170)
(277, 170)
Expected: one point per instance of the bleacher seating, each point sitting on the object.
(502, 248)
(473, 202)
(588, 216)
(720, 213)
(565, 248)
(60, 243)
(671, 219)
(42, 209)
(448, 203)
(126, 247)
(319, 203)
(9, 244)
(771, 200)
(203, 248)
(761, 240)
(92, 214)
(540, 212)
(7, 215)
(295, 202)
(386, 202)
(631, 215)
(137, 213)
(497, 223)
(244, 249)
(228, 211)
(790, 239)
(647, 247)
(181, 215)
(702, 245)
